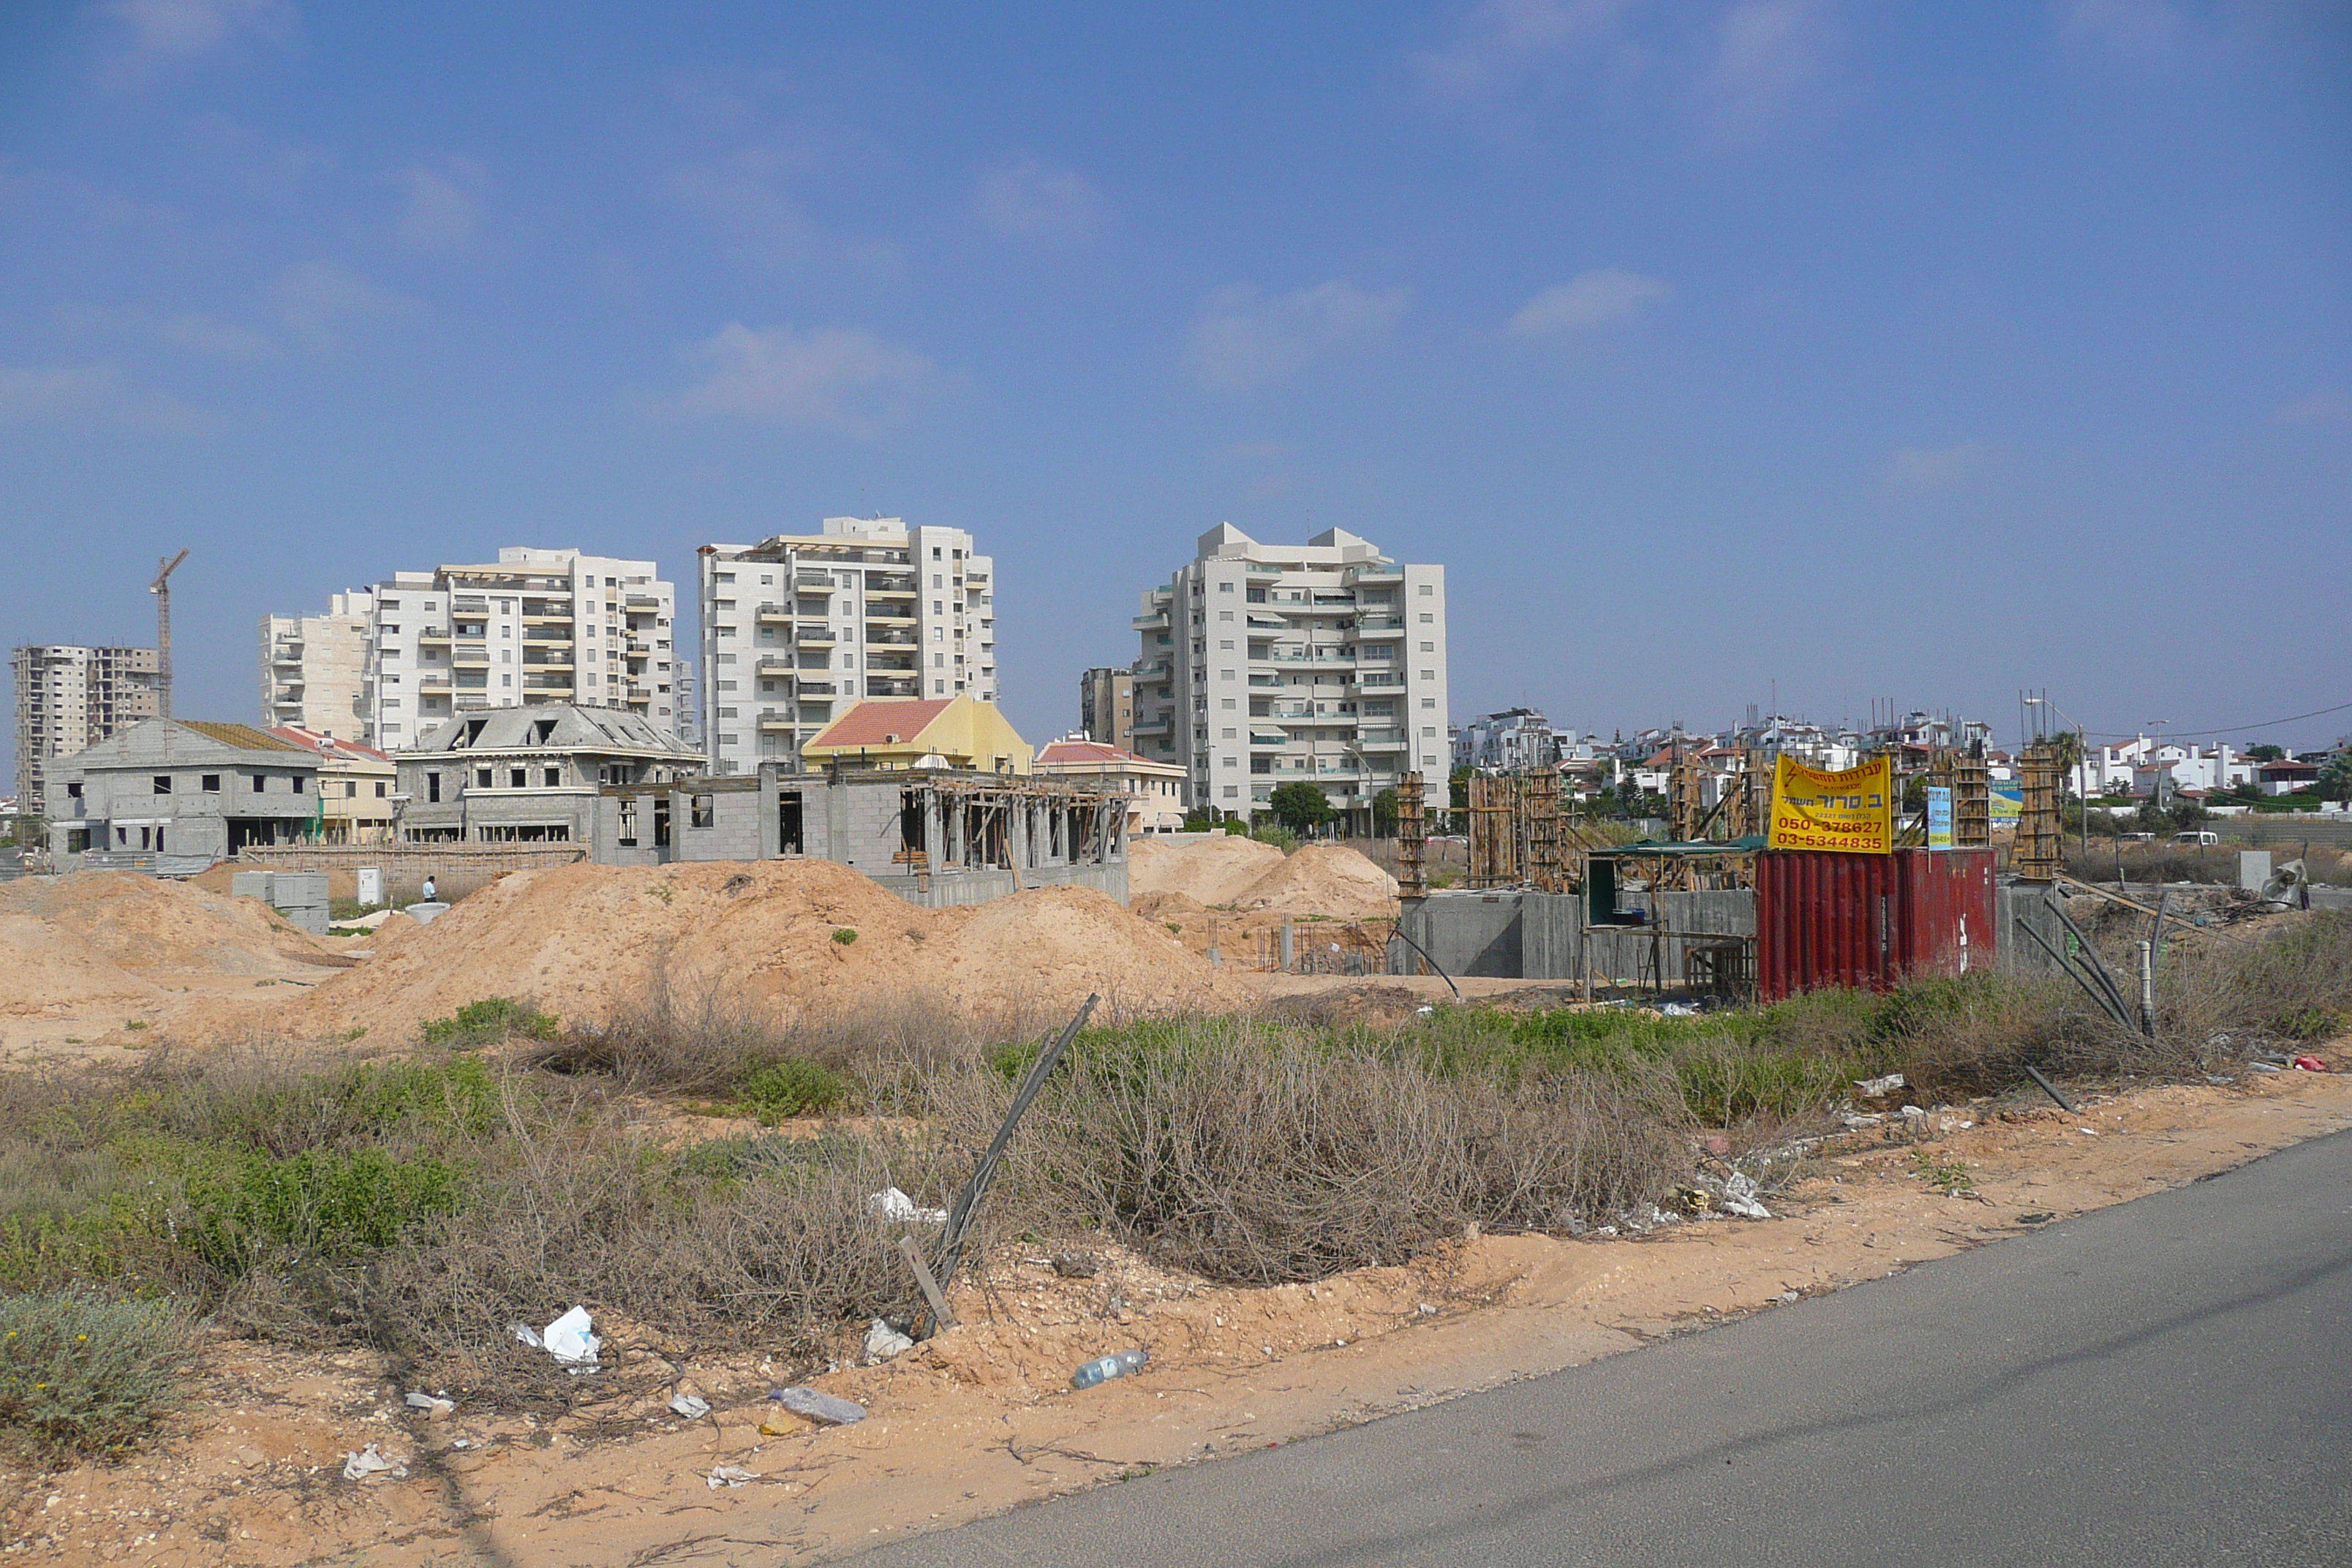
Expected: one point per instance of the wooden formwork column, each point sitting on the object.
(1541, 797)
(1412, 837)
(1971, 804)
(2036, 857)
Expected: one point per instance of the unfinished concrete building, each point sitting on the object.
(173, 795)
(529, 775)
(934, 837)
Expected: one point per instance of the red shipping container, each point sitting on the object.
(1868, 921)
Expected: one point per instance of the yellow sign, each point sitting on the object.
(1853, 812)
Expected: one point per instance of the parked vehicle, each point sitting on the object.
(2197, 835)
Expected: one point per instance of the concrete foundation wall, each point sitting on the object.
(949, 889)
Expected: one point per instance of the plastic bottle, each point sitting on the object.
(1126, 1363)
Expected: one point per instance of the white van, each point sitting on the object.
(2197, 835)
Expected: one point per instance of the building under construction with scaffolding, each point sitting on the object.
(1703, 910)
(934, 837)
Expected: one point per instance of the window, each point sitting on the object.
(380, 792)
(351, 789)
(552, 777)
(298, 783)
(1226, 646)
(1224, 703)
(212, 784)
(1429, 648)
(481, 778)
(506, 681)
(700, 813)
(1232, 791)
(1426, 618)
(1226, 588)
(73, 791)
(1225, 616)
(258, 778)
(1428, 590)
(433, 788)
(1429, 702)
(628, 824)
(516, 777)
(935, 553)
(1429, 675)
(1429, 731)
(163, 784)
(1230, 735)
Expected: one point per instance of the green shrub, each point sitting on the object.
(81, 1374)
(844, 936)
(785, 1089)
(321, 1204)
(489, 1021)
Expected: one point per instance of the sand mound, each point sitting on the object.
(581, 940)
(1212, 871)
(1324, 879)
(152, 926)
(49, 970)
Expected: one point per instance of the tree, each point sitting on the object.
(1299, 807)
(1385, 814)
(2336, 778)
(2266, 754)
(1457, 799)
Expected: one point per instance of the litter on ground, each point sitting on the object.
(819, 1406)
(567, 1339)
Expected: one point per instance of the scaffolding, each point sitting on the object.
(1540, 797)
(1412, 837)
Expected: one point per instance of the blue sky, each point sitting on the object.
(1856, 352)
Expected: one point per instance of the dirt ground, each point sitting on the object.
(982, 1418)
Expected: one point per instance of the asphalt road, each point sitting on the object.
(2167, 1381)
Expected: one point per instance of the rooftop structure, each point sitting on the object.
(529, 775)
(958, 732)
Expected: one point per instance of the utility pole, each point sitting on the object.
(161, 588)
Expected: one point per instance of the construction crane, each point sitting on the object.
(161, 588)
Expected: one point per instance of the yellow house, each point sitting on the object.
(912, 733)
(355, 787)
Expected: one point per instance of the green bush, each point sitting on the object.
(786, 1089)
(489, 1021)
(81, 1374)
(321, 1204)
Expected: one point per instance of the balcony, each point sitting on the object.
(475, 654)
(1377, 678)
(1384, 573)
(1162, 725)
(1308, 656)
(889, 638)
(774, 614)
(468, 604)
(814, 583)
(432, 635)
(1386, 739)
(1155, 622)
(640, 602)
(776, 723)
(817, 688)
(1155, 669)
(1262, 569)
(1381, 623)
(882, 687)
(1273, 738)
(547, 685)
(813, 636)
(286, 653)
(774, 665)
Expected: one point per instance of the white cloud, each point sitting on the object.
(1241, 338)
(1587, 302)
(1027, 200)
(841, 378)
(743, 201)
(169, 32)
(1937, 467)
(1501, 42)
(1770, 57)
(2333, 407)
(444, 205)
(318, 299)
(203, 334)
(2146, 29)
(93, 394)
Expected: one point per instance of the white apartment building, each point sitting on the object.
(69, 697)
(536, 627)
(1515, 740)
(798, 627)
(1263, 664)
(314, 669)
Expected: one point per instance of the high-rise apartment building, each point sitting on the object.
(1264, 664)
(797, 626)
(1106, 707)
(69, 697)
(314, 669)
(536, 627)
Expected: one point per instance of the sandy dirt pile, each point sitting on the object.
(104, 936)
(1329, 879)
(982, 1419)
(1212, 871)
(579, 939)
